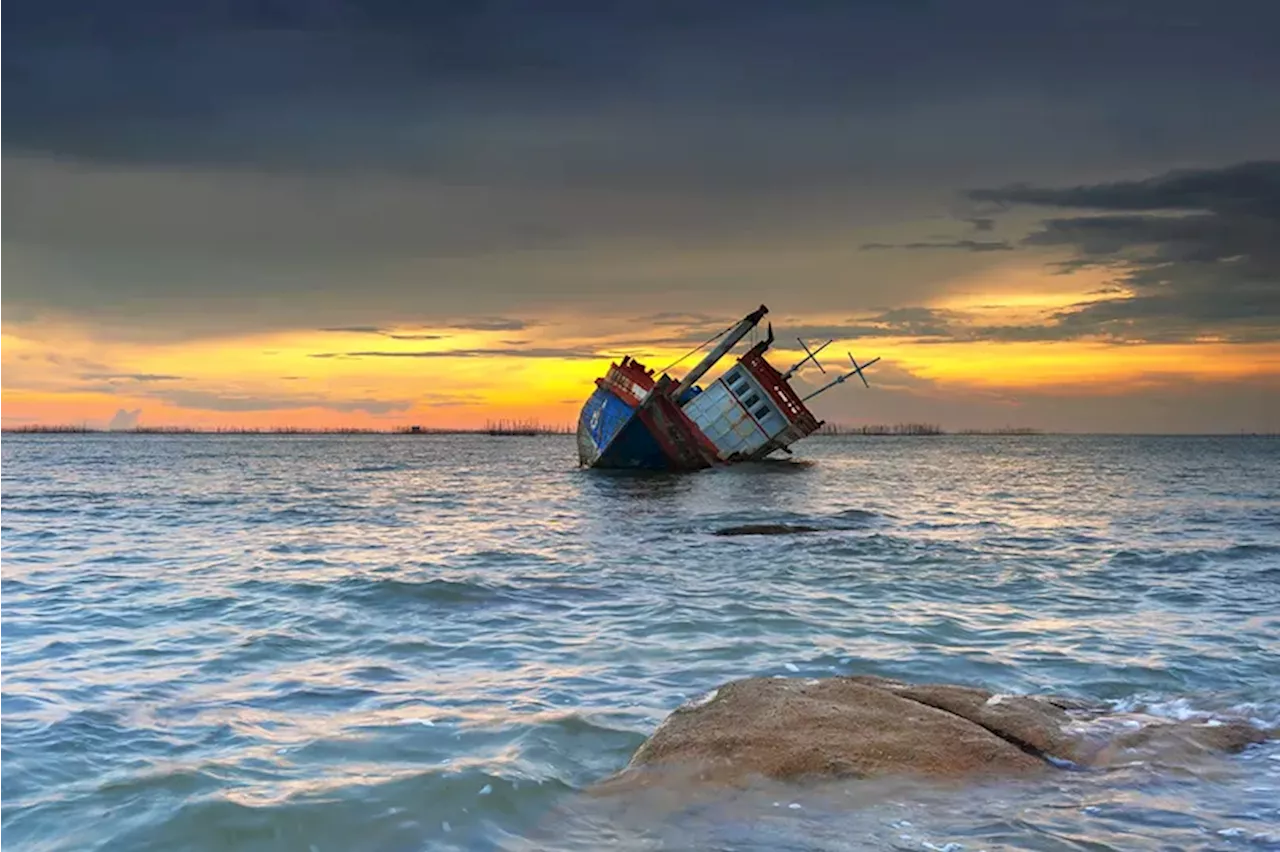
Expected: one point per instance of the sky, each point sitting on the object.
(1062, 216)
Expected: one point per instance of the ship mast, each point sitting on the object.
(812, 356)
(839, 380)
(738, 332)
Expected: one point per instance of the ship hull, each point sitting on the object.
(636, 421)
(612, 435)
(651, 435)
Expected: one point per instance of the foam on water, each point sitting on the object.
(394, 643)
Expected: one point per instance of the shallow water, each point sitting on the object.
(411, 642)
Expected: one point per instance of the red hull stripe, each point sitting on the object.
(778, 389)
(682, 442)
(629, 381)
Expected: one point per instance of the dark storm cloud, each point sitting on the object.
(310, 85)
(381, 332)
(1243, 189)
(492, 324)
(909, 322)
(469, 353)
(134, 377)
(963, 245)
(667, 318)
(214, 401)
(244, 166)
(1196, 253)
(939, 324)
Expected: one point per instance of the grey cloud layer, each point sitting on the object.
(1197, 252)
(533, 352)
(964, 245)
(1251, 188)
(199, 168)
(134, 377)
(214, 401)
(472, 324)
(306, 84)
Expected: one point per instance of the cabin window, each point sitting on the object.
(751, 400)
(762, 412)
(733, 377)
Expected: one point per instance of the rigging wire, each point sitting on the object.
(695, 349)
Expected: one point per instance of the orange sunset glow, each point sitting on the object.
(417, 375)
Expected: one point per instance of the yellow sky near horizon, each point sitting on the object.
(67, 374)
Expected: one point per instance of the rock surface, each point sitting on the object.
(788, 729)
(766, 529)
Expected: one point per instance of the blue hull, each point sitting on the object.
(612, 435)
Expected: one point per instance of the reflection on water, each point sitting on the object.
(392, 643)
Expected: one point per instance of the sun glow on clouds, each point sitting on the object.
(393, 376)
(1025, 293)
(1082, 367)
(438, 377)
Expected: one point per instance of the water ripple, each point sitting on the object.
(394, 643)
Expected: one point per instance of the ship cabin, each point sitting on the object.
(751, 410)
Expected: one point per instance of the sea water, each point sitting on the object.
(422, 642)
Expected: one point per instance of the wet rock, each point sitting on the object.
(1035, 724)
(1063, 730)
(788, 729)
(766, 529)
(1181, 741)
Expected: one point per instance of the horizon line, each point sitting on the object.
(828, 431)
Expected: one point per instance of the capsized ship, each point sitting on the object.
(636, 421)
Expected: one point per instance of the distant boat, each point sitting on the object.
(634, 421)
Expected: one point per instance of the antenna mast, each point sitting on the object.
(812, 355)
(839, 380)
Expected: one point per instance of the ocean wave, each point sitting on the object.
(1201, 709)
(380, 813)
(436, 590)
(1194, 559)
(782, 523)
(276, 652)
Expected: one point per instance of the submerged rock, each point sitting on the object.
(787, 729)
(766, 529)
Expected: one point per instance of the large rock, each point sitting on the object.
(787, 729)
(1067, 732)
